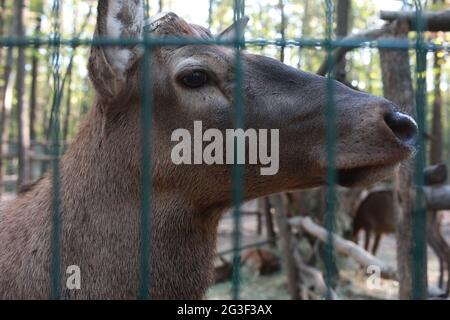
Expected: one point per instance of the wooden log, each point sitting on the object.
(436, 174)
(345, 247)
(314, 283)
(433, 21)
(437, 198)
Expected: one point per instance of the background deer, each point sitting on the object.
(376, 216)
(100, 172)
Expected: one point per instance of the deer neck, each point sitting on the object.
(102, 177)
(183, 248)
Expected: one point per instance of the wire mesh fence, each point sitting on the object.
(54, 42)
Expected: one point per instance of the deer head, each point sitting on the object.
(195, 83)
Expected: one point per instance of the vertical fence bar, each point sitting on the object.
(210, 13)
(146, 167)
(419, 254)
(330, 153)
(238, 170)
(55, 265)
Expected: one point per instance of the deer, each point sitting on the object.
(100, 172)
(376, 215)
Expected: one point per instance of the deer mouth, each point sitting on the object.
(364, 175)
(374, 170)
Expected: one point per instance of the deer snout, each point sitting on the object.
(403, 126)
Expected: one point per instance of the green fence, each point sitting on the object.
(54, 42)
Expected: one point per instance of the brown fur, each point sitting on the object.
(100, 173)
(376, 216)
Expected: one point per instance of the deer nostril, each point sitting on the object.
(403, 126)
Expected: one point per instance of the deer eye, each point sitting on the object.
(195, 79)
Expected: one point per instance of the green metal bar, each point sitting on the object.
(55, 265)
(238, 170)
(419, 222)
(171, 41)
(331, 154)
(146, 172)
(210, 13)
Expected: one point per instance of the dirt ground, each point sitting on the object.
(353, 280)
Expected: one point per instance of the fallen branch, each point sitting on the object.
(436, 174)
(313, 281)
(340, 52)
(343, 246)
(437, 198)
(433, 21)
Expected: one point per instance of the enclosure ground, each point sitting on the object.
(353, 280)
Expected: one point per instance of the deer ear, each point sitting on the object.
(230, 33)
(109, 65)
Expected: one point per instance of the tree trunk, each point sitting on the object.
(2, 92)
(264, 208)
(282, 29)
(34, 76)
(2, 24)
(210, 13)
(68, 102)
(398, 87)
(436, 126)
(24, 174)
(342, 29)
(305, 32)
(284, 231)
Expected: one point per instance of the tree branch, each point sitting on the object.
(340, 52)
(343, 246)
(434, 21)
